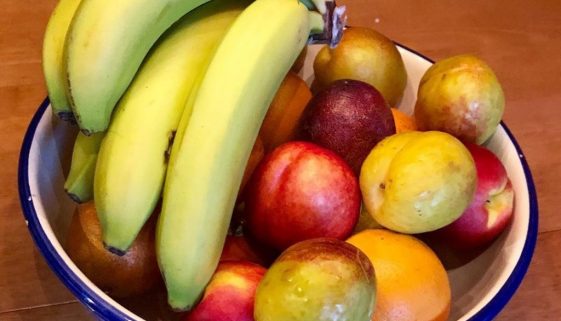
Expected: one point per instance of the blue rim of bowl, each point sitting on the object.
(505, 293)
(106, 311)
(99, 306)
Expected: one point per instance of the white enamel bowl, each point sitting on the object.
(480, 288)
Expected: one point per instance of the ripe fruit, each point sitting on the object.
(348, 117)
(207, 161)
(104, 48)
(317, 280)
(491, 209)
(417, 182)
(462, 96)
(230, 294)
(133, 158)
(403, 122)
(366, 55)
(53, 57)
(283, 116)
(301, 191)
(134, 273)
(79, 183)
(240, 248)
(257, 154)
(411, 282)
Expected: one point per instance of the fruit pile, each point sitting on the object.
(205, 161)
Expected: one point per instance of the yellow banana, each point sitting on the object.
(53, 65)
(208, 159)
(79, 182)
(133, 157)
(106, 44)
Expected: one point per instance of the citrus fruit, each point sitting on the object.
(134, 273)
(283, 116)
(412, 283)
(403, 122)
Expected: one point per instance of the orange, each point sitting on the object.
(412, 283)
(403, 122)
(134, 273)
(281, 122)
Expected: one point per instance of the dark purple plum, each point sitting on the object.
(348, 117)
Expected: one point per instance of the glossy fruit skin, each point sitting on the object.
(208, 159)
(79, 183)
(460, 95)
(403, 122)
(106, 44)
(417, 182)
(134, 273)
(301, 191)
(492, 207)
(348, 117)
(281, 121)
(317, 280)
(257, 154)
(134, 155)
(242, 248)
(230, 293)
(367, 55)
(53, 57)
(411, 282)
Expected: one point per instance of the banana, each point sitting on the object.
(53, 66)
(106, 44)
(133, 158)
(79, 182)
(208, 159)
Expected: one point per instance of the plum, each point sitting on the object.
(349, 117)
(462, 96)
(367, 55)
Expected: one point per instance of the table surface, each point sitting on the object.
(520, 39)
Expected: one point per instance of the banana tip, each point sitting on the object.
(114, 250)
(74, 197)
(67, 116)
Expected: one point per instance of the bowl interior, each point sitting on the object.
(474, 283)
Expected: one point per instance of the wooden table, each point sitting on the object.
(520, 39)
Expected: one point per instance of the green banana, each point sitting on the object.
(208, 159)
(133, 158)
(53, 48)
(79, 182)
(106, 44)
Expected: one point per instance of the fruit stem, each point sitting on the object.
(67, 116)
(334, 20)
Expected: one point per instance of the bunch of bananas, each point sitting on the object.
(169, 96)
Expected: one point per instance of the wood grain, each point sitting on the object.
(538, 296)
(520, 39)
(72, 311)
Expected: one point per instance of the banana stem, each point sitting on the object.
(334, 19)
